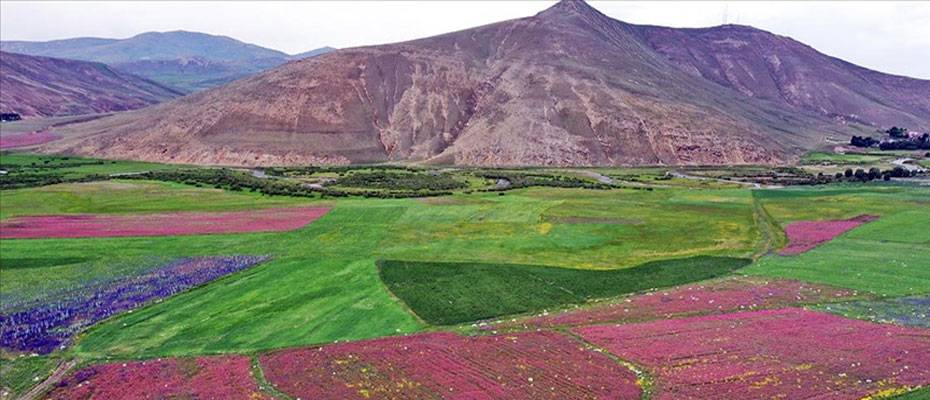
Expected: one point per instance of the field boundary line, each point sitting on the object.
(42, 388)
(396, 299)
(768, 227)
(644, 379)
(258, 374)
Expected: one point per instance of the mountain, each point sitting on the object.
(188, 61)
(568, 86)
(312, 53)
(762, 65)
(44, 87)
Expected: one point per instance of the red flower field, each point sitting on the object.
(26, 139)
(536, 365)
(166, 224)
(200, 378)
(805, 235)
(727, 295)
(785, 354)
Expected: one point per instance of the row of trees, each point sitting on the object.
(239, 181)
(862, 175)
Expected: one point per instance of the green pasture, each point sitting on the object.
(115, 197)
(73, 166)
(888, 257)
(453, 293)
(322, 283)
(18, 374)
(819, 157)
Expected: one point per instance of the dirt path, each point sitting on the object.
(49, 382)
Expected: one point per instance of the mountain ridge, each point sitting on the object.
(165, 57)
(568, 86)
(46, 87)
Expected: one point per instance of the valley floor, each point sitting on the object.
(531, 292)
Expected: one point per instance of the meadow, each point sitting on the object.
(452, 293)
(380, 267)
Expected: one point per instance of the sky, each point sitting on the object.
(888, 36)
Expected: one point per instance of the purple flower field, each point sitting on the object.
(44, 325)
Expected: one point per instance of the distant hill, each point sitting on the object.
(188, 61)
(44, 87)
(566, 87)
(312, 53)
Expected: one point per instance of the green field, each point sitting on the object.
(844, 158)
(452, 293)
(887, 257)
(72, 166)
(322, 284)
(121, 197)
(454, 259)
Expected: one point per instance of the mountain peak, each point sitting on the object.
(571, 7)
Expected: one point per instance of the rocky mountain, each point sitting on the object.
(762, 65)
(188, 61)
(43, 87)
(568, 86)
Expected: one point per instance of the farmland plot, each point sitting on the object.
(715, 297)
(41, 325)
(536, 365)
(167, 224)
(227, 377)
(450, 293)
(913, 311)
(805, 235)
(787, 353)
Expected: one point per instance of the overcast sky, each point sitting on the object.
(891, 37)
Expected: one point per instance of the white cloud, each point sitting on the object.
(888, 36)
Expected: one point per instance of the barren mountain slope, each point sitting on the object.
(568, 86)
(41, 86)
(767, 66)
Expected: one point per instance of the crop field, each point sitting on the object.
(536, 365)
(787, 353)
(451, 293)
(805, 235)
(194, 378)
(78, 226)
(396, 281)
(42, 325)
(912, 311)
(714, 297)
(887, 257)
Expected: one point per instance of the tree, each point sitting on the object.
(897, 133)
(848, 173)
(860, 174)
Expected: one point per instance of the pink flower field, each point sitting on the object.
(805, 235)
(201, 378)
(536, 365)
(165, 224)
(717, 297)
(784, 354)
(26, 139)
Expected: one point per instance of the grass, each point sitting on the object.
(819, 157)
(887, 257)
(19, 374)
(453, 293)
(322, 284)
(109, 197)
(72, 166)
(918, 394)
